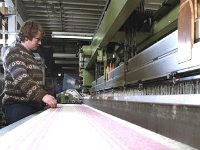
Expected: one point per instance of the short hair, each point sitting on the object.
(29, 30)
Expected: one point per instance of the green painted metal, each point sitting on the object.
(119, 37)
(100, 56)
(116, 14)
(86, 60)
(87, 50)
(104, 62)
(141, 36)
(69, 96)
(160, 28)
(88, 77)
(166, 20)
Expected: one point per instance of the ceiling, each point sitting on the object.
(75, 17)
(78, 16)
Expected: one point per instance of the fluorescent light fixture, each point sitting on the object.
(72, 35)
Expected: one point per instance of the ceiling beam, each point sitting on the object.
(66, 62)
(116, 14)
(64, 55)
(70, 68)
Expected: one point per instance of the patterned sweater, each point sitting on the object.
(23, 76)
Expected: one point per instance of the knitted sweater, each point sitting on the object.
(23, 76)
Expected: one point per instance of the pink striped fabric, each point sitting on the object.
(80, 127)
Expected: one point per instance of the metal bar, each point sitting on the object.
(164, 46)
(182, 99)
(63, 55)
(66, 62)
(163, 66)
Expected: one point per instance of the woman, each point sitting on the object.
(24, 92)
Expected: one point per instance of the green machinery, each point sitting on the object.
(70, 96)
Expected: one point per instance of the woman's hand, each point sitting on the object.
(50, 101)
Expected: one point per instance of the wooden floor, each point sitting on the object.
(80, 127)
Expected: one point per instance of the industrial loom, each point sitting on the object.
(145, 95)
(75, 127)
(155, 83)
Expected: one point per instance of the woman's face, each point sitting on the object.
(34, 43)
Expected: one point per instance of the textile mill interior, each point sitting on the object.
(126, 74)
